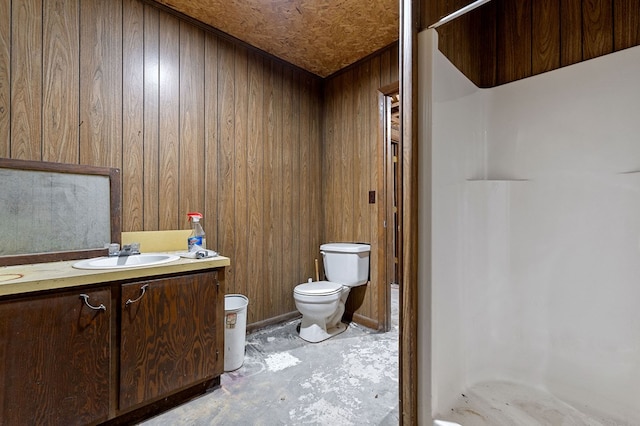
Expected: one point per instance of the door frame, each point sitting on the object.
(385, 206)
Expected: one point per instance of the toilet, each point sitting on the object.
(321, 303)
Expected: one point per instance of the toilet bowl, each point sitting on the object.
(318, 301)
(322, 303)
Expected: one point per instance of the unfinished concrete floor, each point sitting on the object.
(350, 379)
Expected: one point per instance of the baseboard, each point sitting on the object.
(254, 326)
(365, 321)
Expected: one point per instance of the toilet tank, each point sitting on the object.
(346, 263)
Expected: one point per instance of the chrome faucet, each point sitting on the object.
(129, 249)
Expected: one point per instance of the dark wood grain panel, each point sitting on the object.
(169, 124)
(571, 32)
(255, 193)
(273, 175)
(513, 40)
(315, 175)
(226, 157)
(240, 190)
(101, 83)
(5, 78)
(26, 80)
(597, 20)
(347, 161)
(55, 358)
(60, 82)
(168, 336)
(211, 140)
(285, 285)
(151, 141)
(133, 114)
(296, 181)
(546, 35)
(626, 23)
(504, 41)
(192, 149)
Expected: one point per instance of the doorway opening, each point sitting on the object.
(390, 210)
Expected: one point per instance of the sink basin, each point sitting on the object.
(126, 262)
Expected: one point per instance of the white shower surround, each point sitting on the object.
(535, 231)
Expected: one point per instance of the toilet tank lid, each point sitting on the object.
(346, 247)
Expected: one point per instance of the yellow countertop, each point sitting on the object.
(21, 279)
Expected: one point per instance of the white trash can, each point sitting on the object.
(235, 326)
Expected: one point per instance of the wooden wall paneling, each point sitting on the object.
(570, 32)
(485, 48)
(363, 157)
(26, 80)
(133, 115)
(374, 83)
(60, 82)
(191, 192)
(307, 251)
(151, 136)
(277, 190)
(330, 112)
(297, 270)
(431, 11)
(169, 123)
(513, 40)
(626, 23)
(348, 180)
(273, 201)
(395, 70)
(545, 35)
(5, 78)
(597, 21)
(211, 146)
(362, 152)
(226, 159)
(101, 83)
(240, 207)
(152, 93)
(255, 160)
(290, 262)
(316, 148)
(461, 41)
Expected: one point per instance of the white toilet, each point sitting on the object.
(321, 303)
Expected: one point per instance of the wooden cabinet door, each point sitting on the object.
(169, 336)
(54, 359)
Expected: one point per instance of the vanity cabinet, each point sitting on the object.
(170, 336)
(113, 351)
(55, 358)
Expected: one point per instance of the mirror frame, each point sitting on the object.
(115, 214)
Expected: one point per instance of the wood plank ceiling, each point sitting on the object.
(320, 36)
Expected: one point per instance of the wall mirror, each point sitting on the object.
(52, 211)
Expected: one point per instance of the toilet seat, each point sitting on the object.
(318, 288)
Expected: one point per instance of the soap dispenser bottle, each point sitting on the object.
(197, 240)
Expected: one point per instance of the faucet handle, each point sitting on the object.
(134, 248)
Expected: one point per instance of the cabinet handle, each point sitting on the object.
(85, 297)
(143, 290)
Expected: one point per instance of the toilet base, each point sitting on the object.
(313, 333)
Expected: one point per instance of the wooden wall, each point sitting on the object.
(507, 40)
(352, 163)
(193, 120)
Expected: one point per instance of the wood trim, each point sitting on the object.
(385, 200)
(43, 166)
(408, 364)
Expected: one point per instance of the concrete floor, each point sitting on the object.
(350, 379)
